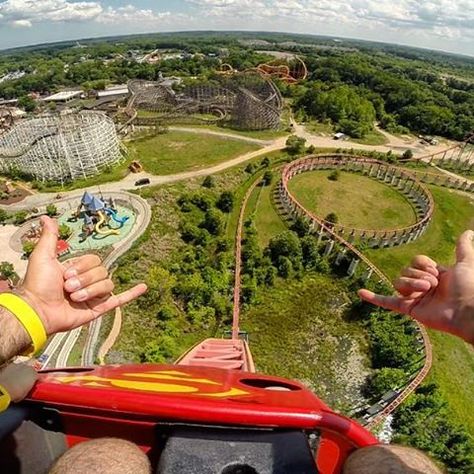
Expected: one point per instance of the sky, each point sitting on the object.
(446, 25)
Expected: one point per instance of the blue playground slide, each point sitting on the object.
(119, 220)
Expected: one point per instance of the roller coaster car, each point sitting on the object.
(187, 419)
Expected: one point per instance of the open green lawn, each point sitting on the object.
(175, 152)
(372, 138)
(297, 330)
(453, 367)
(259, 134)
(267, 220)
(357, 200)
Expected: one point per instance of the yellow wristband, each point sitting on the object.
(28, 318)
(5, 399)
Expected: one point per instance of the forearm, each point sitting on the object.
(14, 339)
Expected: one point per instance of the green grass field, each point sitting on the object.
(358, 201)
(297, 330)
(453, 366)
(175, 152)
(372, 138)
(267, 220)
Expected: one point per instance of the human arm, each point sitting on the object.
(439, 297)
(64, 296)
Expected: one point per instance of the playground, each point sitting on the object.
(97, 222)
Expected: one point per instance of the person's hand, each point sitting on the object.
(18, 380)
(68, 295)
(441, 298)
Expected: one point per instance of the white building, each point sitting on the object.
(114, 91)
(64, 96)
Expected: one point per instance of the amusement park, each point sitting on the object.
(200, 266)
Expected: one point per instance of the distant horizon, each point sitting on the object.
(227, 31)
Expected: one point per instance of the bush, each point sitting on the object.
(392, 341)
(250, 168)
(407, 155)
(202, 201)
(267, 178)
(385, 379)
(209, 182)
(285, 244)
(3, 216)
(51, 210)
(64, 232)
(285, 267)
(28, 248)
(7, 270)
(295, 145)
(332, 218)
(265, 162)
(300, 226)
(19, 217)
(334, 175)
(226, 201)
(214, 222)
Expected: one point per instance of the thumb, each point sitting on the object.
(465, 248)
(47, 244)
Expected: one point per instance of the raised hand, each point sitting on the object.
(441, 298)
(71, 294)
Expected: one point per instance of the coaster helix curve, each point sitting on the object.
(325, 230)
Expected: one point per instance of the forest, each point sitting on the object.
(351, 84)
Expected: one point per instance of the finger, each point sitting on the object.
(76, 266)
(18, 380)
(394, 303)
(114, 301)
(86, 279)
(407, 286)
(95, 291)
(426, 264)
(47, 244)
(420, 275)
(464, 247)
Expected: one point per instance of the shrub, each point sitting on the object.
(332, 218)
(28, 248)
(213, 222)
(51, 210)
(202, 201)
(265, 162)
(64, 232)
(295, 145)
(209, 182)
(20, 217)
(407, 155)
(250, 168)
(334, 175)
(267, 178)
(385, 379)
(226, 201)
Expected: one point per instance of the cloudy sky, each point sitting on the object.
(438, 24)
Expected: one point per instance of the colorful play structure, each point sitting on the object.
(98, 215)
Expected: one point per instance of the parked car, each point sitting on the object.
(142, 182)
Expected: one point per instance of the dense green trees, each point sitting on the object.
(344, 105)
(424, 421)
(401, 95)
